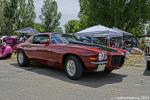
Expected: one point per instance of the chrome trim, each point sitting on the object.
(99, 63)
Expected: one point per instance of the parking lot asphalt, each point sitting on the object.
(39, 82)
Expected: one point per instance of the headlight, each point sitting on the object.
(102, 56)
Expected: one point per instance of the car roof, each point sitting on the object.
(47, 33)
(44, 33)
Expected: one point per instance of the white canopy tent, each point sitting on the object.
(99, 31)
(29, 31)
(124, 33)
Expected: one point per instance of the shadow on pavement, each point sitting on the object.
(4, 58)
(90, 79)
(146, 72)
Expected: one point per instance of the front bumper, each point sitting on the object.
(99, 63)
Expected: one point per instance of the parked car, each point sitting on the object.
(11, 40)
(5, 50)
(55, 50)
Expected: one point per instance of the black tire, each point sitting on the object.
(148, 65)
(78, 68)
(9, 55)
(25, 61)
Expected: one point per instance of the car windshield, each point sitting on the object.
(70, 37)
(58, 38)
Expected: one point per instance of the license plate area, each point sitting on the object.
(100, 68)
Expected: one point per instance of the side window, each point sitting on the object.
(53, 39)
(40, 39)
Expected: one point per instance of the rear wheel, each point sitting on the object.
(73, 68)
(148, 65)
(22, 59)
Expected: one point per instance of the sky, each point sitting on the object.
(68, 8)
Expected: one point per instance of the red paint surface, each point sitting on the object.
(52, 54)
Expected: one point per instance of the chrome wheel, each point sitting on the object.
(71, 67)
(20, 58)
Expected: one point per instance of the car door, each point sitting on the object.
(39, 48)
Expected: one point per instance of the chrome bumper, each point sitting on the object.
(99, 63)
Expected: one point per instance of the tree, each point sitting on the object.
(15, 14)
(138, 31)
(72, 26)
(1, 16)
(50, 16)
(26, 14)
(58, 30)
(124, 14)
(30, 13)
(38, 27)
(21, 14)
(9, 15)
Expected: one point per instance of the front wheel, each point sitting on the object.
(73, 68)
(148, 65)
(22, 59)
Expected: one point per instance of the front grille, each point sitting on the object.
(117, 60)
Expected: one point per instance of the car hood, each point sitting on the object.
(95, 47)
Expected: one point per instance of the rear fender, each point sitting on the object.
(7, 50)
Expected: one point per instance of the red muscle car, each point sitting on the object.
(55, 50)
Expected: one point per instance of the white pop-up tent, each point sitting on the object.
(99, 31)
(124, 33)
(29, 31)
